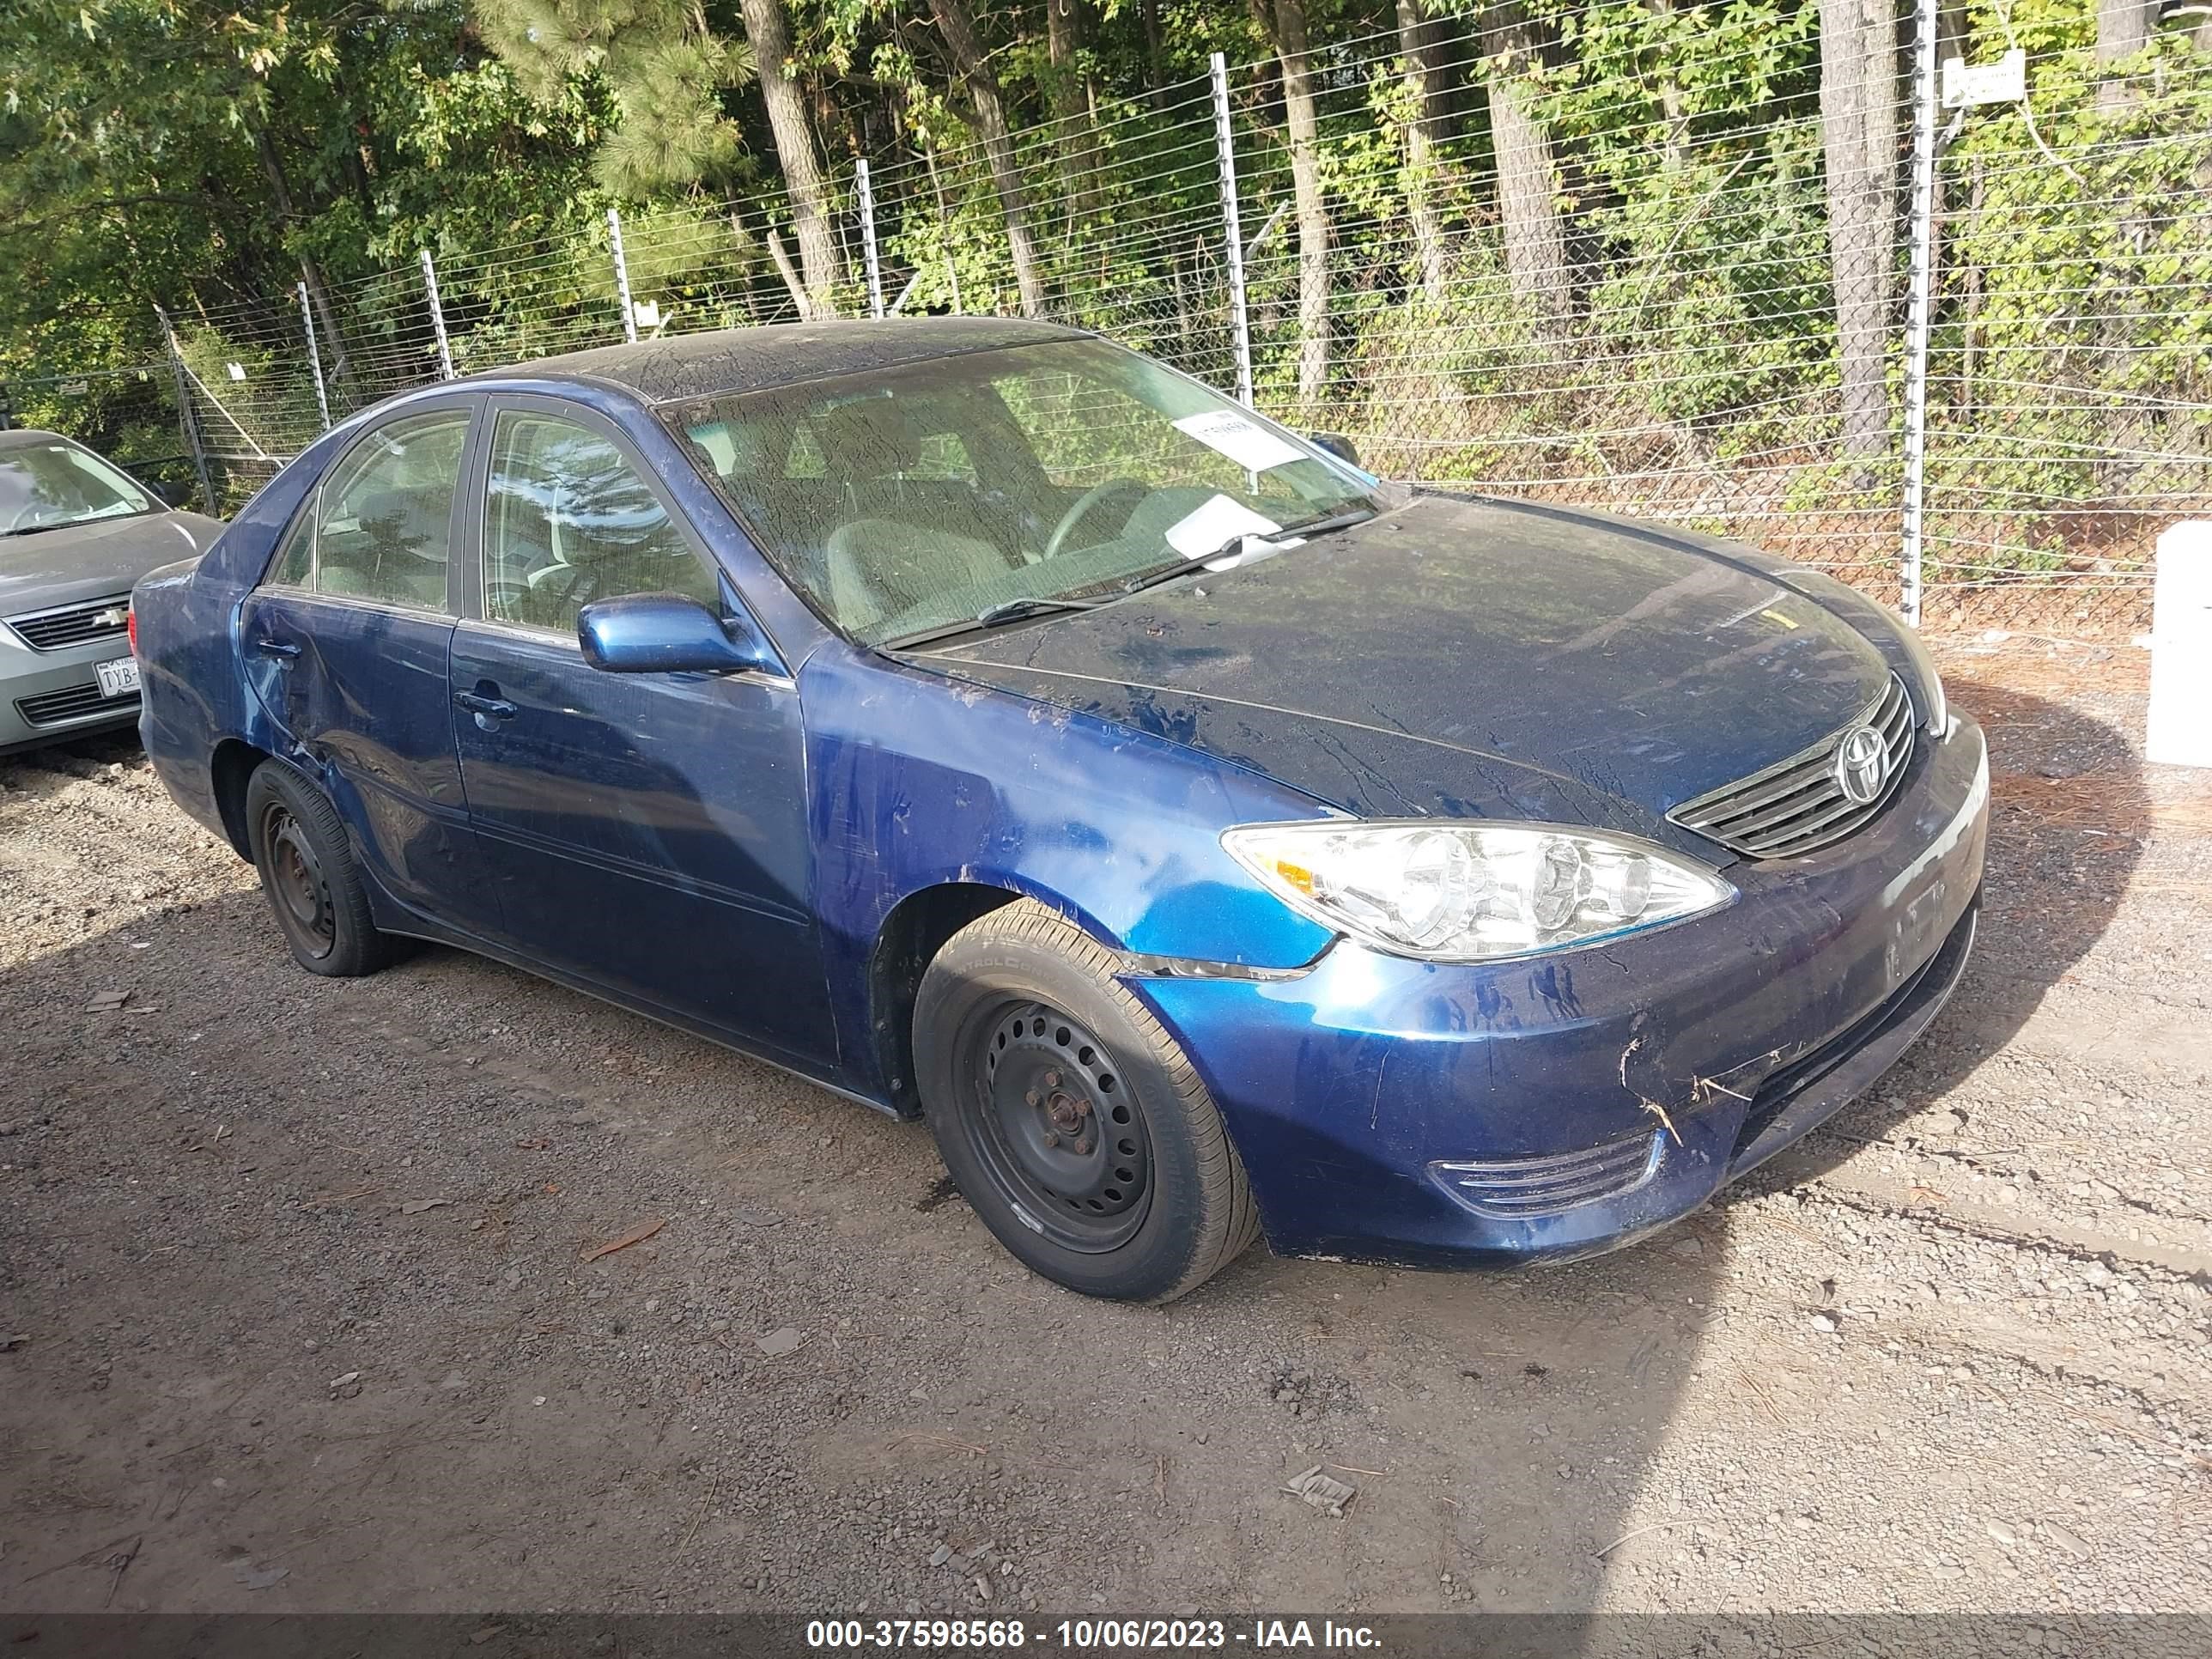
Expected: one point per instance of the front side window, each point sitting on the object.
(568, 520)
(902, 500)
(380, 527)
(52, 485)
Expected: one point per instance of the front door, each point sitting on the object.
(346, 641)
(646, 832)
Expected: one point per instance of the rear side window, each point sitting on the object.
(380, 527)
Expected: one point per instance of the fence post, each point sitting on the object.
(622, 275)
(1920, 307)
(1225, 144)
(314, 357)
(437, 317)
(188, 420)
(868, 237)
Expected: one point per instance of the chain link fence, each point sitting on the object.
(129, 415)
(1957, 351)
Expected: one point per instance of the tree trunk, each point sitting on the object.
(311, 271)
(1289, 25)
(959, 31)
(820, 264)
(1527, 186)
(1155, 53)
(1672, 104)
(1066, 90)
(1416, 49)
(2123, 30)
(1858, 133)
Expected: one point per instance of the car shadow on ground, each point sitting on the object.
(349, 1272)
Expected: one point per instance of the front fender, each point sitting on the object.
(915, 780)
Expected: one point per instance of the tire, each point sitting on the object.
(1069, 1119)
(309, 875)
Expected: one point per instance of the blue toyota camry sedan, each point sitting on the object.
(1204, 837)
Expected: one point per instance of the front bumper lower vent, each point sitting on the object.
(77, 703)
(1815, 798)
(1524, 1189)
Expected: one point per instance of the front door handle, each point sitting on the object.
(486, 709)
(284, 649)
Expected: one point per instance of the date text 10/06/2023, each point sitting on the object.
(1090, 1635)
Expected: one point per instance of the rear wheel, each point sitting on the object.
(1071, 1121)
(308, 873)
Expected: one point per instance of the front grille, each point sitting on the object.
(56, 707)
(1525, 1187)
(57, 630)
(1800, 804)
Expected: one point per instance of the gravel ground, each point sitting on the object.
(304, 1306)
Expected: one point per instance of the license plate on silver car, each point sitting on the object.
(117, 679)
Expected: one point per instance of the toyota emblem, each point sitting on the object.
(1861, 764)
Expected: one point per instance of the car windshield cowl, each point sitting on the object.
(994, 486)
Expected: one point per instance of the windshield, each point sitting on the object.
(45, 485)
(903, 501)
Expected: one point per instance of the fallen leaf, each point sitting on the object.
(637, 1235)
(1328, 1496)
(260, 1578)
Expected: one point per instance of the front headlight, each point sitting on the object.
(1473, 892)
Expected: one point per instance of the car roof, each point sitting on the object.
(23, 437)
(730, 361)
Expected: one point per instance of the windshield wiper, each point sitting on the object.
(1006, 610)
(991, 615)
(1319, 526)
(36, 529)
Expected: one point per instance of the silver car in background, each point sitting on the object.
(76, 532)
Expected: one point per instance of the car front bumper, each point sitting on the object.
(51, 697)
(1445, 1115)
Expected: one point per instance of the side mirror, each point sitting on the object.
(668, 633)
(170, 495)
(1337, 444)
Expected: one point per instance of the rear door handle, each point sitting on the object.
(283, 648)
(484, 708)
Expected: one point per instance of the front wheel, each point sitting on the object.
(309, 875)
(1070, 1120)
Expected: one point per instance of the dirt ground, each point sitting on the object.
(305, 1302)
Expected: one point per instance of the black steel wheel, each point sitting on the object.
(315, 888)
(1071, 1121)
(1055, 1125)
(297, 887)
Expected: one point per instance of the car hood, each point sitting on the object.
(92, 561)
(1465, 657)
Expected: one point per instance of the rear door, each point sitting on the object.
(646, 832)
(346, 641)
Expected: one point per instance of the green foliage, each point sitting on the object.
(1693, 370)
(663, 70)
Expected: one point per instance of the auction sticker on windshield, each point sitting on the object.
(1251, 446)
(1213, 523)
(117, 677)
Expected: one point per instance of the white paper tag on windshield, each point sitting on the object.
(1251, 446)
(1214, 523)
